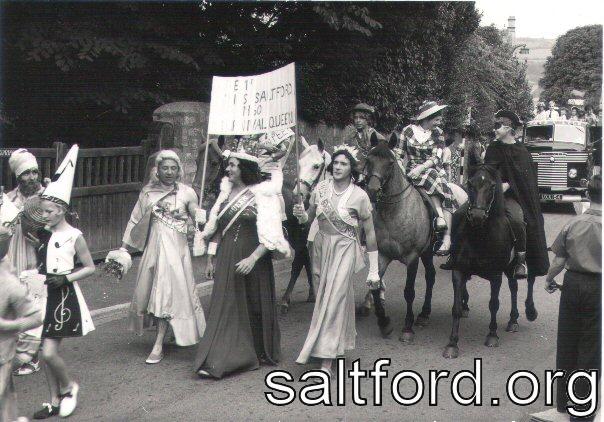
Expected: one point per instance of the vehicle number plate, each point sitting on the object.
(550, 196)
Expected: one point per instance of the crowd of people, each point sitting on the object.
(243, 231)
(573, 114)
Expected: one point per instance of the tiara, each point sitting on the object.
(351, 150)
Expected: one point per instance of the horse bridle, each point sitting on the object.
(317, 179)
(384, 181)
(486, 209)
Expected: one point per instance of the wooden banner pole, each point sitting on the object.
(298, 190)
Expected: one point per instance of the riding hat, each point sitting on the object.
(364, 108)
(427, 109)
(516, 122)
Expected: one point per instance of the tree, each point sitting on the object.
(575, 63)
(488, 78)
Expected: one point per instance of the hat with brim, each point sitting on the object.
(509, 114)
(427, 109)
(364, 108)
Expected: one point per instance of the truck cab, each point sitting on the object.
(561, 151)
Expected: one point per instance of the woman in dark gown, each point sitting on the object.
(242, 330)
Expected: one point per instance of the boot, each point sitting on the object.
(520, 270)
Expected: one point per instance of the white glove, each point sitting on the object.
(300, 213)
(373, 278)
(122, 257)
(200, 216)
(212, 247)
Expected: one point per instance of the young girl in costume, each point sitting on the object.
(66, 312)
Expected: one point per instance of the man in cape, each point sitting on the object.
(521, 194)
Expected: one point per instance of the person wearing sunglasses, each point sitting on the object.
(519, 183)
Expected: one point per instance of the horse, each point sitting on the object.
(483, 245)
(214, 172)
(402, 222)
(313, 162)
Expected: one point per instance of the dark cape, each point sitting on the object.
(517, 168)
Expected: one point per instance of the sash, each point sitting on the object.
(339, 224)
(234, 208)
(140, 231)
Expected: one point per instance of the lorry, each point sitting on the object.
(562, 151)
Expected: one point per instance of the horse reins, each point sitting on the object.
(317, 179)
(383, 183)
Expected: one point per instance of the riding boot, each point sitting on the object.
(520, 270)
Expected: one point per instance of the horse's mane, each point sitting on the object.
(381, 150)
(498, 207)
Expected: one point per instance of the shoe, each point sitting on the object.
(520, 270)
(448, 265)
(27, 368)
(154, 358)
(47, 411)
(443, 252)
(202, 373)
(69, 401)
(442, 227)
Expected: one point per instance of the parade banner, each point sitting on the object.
(247, 105)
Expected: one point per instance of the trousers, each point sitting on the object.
(579, 331)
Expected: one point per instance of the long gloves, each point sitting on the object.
(373, 277)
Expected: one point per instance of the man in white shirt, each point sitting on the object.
(552, 113)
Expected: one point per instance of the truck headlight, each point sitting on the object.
(572, 173)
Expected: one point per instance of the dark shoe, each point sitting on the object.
(448, 266)
(520, 270)
(48, 411)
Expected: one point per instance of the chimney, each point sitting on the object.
(512, 30)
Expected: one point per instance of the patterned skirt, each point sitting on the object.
(434, 182)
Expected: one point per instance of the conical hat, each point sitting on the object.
(59, 189)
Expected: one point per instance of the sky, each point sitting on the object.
(539, 18)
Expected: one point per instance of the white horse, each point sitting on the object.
(313, 164)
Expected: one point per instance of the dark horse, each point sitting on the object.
(402, 225)
(483, 246)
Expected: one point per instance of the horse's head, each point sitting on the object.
(379, 165)
(485, 195)
(313, 166)
(214, 168)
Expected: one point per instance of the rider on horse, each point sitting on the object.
(522, 206)
(362, 117)
(423, 145)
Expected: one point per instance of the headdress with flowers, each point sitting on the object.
(350, 149)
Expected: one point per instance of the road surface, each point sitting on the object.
(116, 384)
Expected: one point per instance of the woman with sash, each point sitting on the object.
(342, 209)
(165, 287)
(244, 226)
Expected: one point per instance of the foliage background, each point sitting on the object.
(575, 63)
(94, 72)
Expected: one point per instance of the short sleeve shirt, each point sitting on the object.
(14, 303)
(580, 242)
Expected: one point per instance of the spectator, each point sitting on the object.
(541, 112)
(578, 249)
(551, 112)
(574, 114)
(563, 113)
(590, 116)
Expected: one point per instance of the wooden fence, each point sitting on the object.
(106, 185)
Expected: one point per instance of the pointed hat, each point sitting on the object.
(59, 189)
